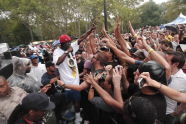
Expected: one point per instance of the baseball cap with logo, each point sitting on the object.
(37, 101)
(64, 38)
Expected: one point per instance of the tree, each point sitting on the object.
(172, 9)
(150, 14)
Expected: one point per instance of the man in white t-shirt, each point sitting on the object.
(177, 81)
(64, 58)
(37, 69)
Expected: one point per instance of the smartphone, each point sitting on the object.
(140, 82)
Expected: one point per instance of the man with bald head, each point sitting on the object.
(10, 97)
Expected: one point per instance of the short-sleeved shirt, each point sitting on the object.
(37, 72)
(158, 100)
(178, 82)
(99, 103)
(67, 74)
(46, 80)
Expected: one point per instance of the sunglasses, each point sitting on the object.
(105, 49)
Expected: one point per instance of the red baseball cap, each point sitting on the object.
(64, 38)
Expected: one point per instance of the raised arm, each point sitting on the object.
(85, 35)
(132, 30)
(107, 36)
(80, 87)
(123, 57)
(92, 44)
(167, 91)
(158, 58)
(91, 93)
(61, 58)
(125, 82)
(105, 95)
(120, 38)
(116, 79)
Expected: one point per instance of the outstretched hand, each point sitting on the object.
(46, 88)
(60, 83)
(117, 74)
(107, 42)
(88, 78)
(93, 28)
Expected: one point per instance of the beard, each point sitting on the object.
(65, 46)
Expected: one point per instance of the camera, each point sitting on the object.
(104, 48)
(102, 79)
(140, 82)
(57, 87)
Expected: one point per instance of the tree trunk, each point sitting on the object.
(105, 15)
(31, 33)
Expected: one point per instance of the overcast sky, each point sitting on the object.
(158, 1)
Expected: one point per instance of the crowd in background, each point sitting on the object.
(132, 78)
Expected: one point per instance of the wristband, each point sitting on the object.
(63, 85)
(150, 50)
(160, 86)
(92, 88)
(135, 35)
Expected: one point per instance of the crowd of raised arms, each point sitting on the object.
(100, 78)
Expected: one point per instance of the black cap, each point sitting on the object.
(49, 63)
(157, 72)
(37, 101)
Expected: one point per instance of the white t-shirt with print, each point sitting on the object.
(66, 73)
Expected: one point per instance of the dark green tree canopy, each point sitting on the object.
(30, 20)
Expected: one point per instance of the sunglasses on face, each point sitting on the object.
(105, 49)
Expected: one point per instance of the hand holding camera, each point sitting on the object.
(58, 87)
(141, 82)
(144, 80)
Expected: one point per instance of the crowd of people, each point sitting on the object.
(132, 78)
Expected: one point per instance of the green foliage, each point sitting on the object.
(173, 8)
(31, 20)
(150, 14)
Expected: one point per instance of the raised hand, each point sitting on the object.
(89, 78)
(108, 68)
(93, 28)
(117, 24)
(107, 42)
(117, 74)
(148, 80)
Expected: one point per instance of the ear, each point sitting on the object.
(31, 112)
(176, 64)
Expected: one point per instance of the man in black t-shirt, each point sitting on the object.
(55, 92)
